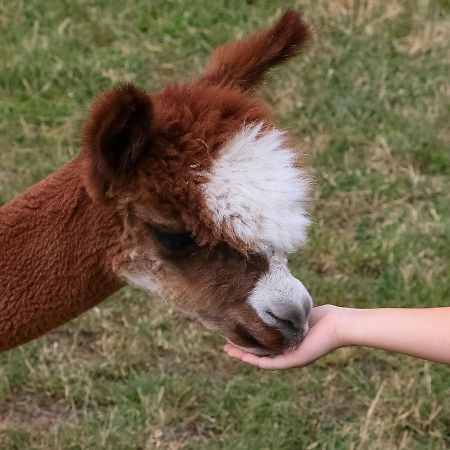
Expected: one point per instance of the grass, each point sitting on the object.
(369, 103)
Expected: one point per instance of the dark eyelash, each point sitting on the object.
(175, 242)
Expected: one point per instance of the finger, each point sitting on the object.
(229, 346)
(243, 356)
(264, 362)
(294, 358)
(235, 352)
(226, 347)
(284, 361)
(252, 359)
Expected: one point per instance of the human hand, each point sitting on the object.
(321, 339)
(411, 331)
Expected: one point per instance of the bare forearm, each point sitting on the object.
(424, 333)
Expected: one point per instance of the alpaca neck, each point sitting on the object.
(56, 249)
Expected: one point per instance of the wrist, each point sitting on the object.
(346, 322)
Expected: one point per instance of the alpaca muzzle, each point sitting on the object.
(282, 302)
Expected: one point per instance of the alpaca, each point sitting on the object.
(191, 193)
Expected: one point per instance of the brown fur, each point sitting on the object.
(67, 241)
(55, 256)
(243, 63)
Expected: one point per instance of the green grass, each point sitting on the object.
(369, 103)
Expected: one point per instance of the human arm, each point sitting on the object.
(422, 332)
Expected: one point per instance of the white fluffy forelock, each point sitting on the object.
(255, 189)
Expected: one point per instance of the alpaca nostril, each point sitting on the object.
(308, 306)
(285, 323)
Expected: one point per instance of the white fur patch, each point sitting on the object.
(141, 281)
(255, 189)
(278, 294)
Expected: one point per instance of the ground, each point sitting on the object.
(368, 102)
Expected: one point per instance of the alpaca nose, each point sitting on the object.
(282, 302)
(291, 319)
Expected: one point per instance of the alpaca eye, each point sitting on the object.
(174, 242)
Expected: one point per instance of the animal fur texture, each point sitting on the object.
(192, 193)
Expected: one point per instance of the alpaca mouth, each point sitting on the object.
(248, 338)
(250, 344)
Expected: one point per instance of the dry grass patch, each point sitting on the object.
(368, 104)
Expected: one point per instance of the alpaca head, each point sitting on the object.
(209, 191)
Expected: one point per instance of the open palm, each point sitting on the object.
(321, 340)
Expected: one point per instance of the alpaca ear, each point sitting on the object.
(243, 63)
(116, 134)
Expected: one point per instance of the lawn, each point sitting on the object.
(369, 104)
